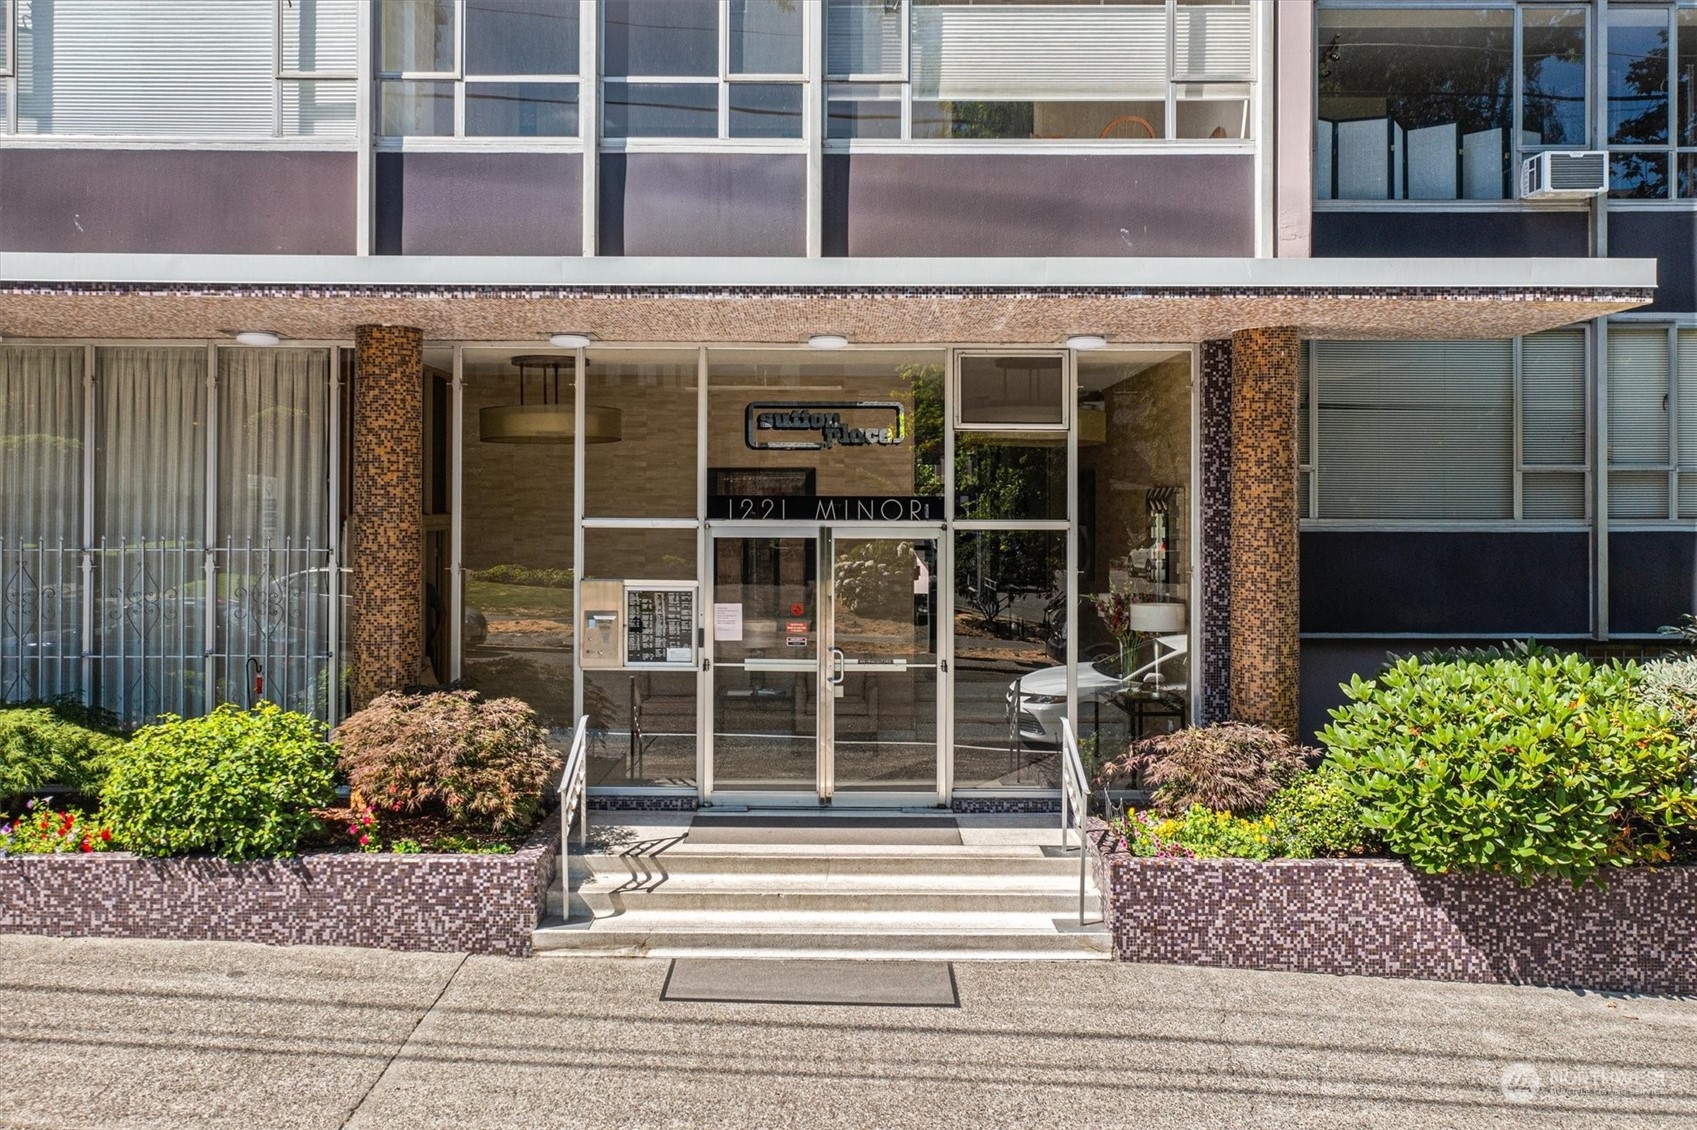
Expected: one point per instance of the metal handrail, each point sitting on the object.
(574, 793)
(1075, 805)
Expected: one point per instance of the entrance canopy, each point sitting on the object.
(871, 301)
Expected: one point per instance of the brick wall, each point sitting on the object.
(1265, 586)
(387, 547)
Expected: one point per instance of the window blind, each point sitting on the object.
(203, 68)
(1552, 398)
(861, 38)
(1031, 52)
(1413, 429)
(320, 36)
(1638, 396)
(1214, 41)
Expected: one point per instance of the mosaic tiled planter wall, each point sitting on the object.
(448, 903)
(1381, 918)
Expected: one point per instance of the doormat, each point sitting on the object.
(803, 831)
(747, 980)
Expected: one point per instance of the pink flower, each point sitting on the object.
(364, 840)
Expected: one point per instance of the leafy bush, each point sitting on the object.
(42, 830)
(1685, 629)
(237, 783)
(1316, 816)
(1671, 685)
(1230, 767)
(525, 575)
(1542, 766)
(1199, 834)
(482, 760)
(57, 743)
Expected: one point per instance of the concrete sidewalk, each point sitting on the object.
(122, 1034)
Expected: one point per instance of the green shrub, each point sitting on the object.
(1230, 767)
(1316, 816)
(483, 761)
(58, 743)
(1671, 685)
(240, 784)
(525, 575)
(1541, 766)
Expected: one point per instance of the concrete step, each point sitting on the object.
(601, 896)
(680, 859)
(961, 936)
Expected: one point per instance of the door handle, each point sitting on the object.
(838, 663)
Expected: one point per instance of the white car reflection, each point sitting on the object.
(1038, 701)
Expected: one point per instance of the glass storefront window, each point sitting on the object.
(517, 518)
(642, 721)
(867, 423)
(1010, 657)
(1009, 477)
(1134, 530)
(1552, 68)
(645, 467)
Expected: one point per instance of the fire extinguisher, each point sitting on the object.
(256, 680)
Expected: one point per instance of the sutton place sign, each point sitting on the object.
(824, 419)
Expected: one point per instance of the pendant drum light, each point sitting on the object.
(547, 420)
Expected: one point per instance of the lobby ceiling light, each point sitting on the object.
(547, 420)
(827, 341)
(570, 341)
(1087, 341)
(257, 337)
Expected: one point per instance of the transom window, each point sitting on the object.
(702, 68)
(477, 68)
(1124, 70)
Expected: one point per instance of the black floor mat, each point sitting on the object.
(922, 831)
(910, 984)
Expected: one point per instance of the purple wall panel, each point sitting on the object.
(177, 201)
(479, 204)
(987, 204)
(703, 204)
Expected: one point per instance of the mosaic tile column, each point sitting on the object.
(386, 544)
(1264, 568)
(1215, 605)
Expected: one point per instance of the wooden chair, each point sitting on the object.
(1128, 126)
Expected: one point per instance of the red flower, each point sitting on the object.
(363, 840)
(86, 846)
(106, 835)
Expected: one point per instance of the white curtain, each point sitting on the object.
(276, 594)
(41, 486)
(150, 526)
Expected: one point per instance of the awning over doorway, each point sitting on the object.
(872, 301)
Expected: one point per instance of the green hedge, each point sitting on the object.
(57, 743)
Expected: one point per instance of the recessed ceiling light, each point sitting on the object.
(1086, 341)
(570, 341)
(258, 337)
(828, 341)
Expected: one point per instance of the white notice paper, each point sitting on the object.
(727, 622)
(678, 655)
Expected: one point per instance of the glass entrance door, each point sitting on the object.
(824, 670)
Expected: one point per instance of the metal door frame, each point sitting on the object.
(824, 534)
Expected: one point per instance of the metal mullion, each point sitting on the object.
(333, 539)
(579, 367)
(456, 516)
(704, 580)
(1673, 421)
(946, 586)
(1170, 129)
(589, 123)
(209, 537)
(1313, 379)
(724, 68)
(1517, 112)
(906, 79)
(90, 408)
(1069, 385)
(1517, 411)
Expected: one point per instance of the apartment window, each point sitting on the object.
(1123, 70)
(702, 69)
(1652, 102)
(477, 68)
(1418, 103)
(1451, 430)
(1652, 422)
(116, 68)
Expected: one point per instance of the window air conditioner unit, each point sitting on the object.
(1564, 176)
